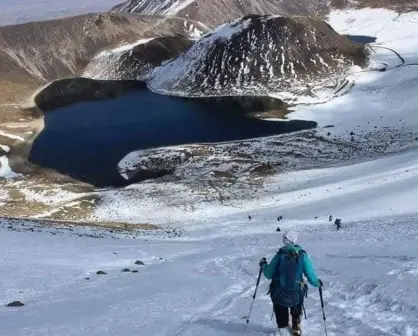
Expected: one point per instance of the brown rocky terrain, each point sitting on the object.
(215, 12)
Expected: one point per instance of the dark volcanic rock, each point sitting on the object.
(15, 304)
(136, 62)
(259, 55)
(69, 91)
(126, 270)
(215, 12)
(139, 262)
(101, 273)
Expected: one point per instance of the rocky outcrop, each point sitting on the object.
(66, 92)
(136, 62)
(259, 55)
(215, 12)
(15, 304)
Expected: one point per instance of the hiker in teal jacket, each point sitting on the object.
(288, 288)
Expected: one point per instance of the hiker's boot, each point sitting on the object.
(296, 329)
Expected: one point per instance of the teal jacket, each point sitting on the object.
(308, 270)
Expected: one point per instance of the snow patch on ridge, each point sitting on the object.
(11, 136)
(123, 48)
(5, 170)
(5, 148)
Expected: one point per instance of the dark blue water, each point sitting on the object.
(87, 140)
(363, 39)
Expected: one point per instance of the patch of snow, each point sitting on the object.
(162, 7)
(5, 170)
(123, 48)
(5, 148)
(11, 136)
(49, 196)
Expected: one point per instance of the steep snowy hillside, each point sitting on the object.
(215, 12)
(260, 55)
(202, 282)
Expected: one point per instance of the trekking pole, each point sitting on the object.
(304, 312)
(252, 303)
(323, 311)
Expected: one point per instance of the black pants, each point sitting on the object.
(282, 315)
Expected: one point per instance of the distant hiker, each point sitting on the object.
(330, 218)
(338, 223)
(288, 287)
(249, 217)
(279, 218)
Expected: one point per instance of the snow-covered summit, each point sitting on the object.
(259, 55)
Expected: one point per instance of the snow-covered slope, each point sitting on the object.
(379, 99)
(259, 55)
(202, 283)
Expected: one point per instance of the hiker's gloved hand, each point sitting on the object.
(263, 262)
(321, 284)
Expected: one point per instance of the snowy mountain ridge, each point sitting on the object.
(215, 12)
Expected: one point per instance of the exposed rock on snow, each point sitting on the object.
(260, 55)
(136, 61)
(15, 304)
(215, 12)
(101, 273)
